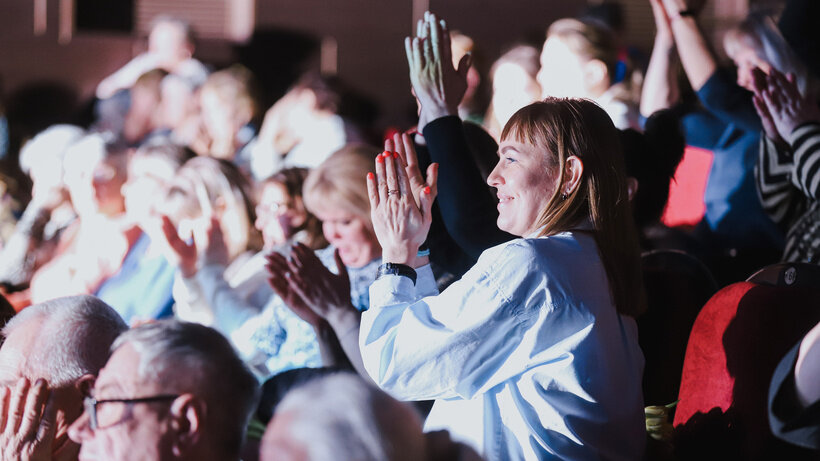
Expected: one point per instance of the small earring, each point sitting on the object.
(564, 196)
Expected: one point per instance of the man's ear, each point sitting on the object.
(631, 187)
(85, 384)
(573, 172)
(187, 416)
(596, 74)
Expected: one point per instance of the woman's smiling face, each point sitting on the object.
(524, 181)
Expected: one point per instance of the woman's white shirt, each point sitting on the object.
(526, 355)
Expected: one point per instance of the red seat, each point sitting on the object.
(735, 344)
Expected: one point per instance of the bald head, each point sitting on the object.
(59, 340)
(342, 417)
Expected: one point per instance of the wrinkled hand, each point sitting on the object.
(787, 107)
(27, 420)
(438, 86)
(401, 219)
(311, 290)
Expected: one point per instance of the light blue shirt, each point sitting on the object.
(526, 355)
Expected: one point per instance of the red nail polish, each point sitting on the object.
(427, 190)
(395, 155)
(385, 154)
(370, 175)
(380, 159)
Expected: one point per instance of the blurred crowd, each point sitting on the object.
(195, 276)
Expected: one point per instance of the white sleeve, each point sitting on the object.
(126, 75)
(462, 342)
(208, 297)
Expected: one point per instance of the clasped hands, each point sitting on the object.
(780, 105)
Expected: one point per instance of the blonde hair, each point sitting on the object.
(588, 40)
(566, 127)
(234, 87)
(202, 183)
(340, 182)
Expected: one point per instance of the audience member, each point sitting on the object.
(651, 159)
(143, 118)
(304, 127)
(142, 289)
(735, 230)
(52, 350)
(236, 298)
(208, 217)
(170, 48)
(514, 86)
(170, 390)
(794, 396)
(228, 110)
(93, 248)
(787, 170)
(579, 60)
(49, 212)
(342, 417)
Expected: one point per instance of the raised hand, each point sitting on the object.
(438, 86)
(27, 422)
(662, 25)
(401, 219)
(179, 253)
(787, 107)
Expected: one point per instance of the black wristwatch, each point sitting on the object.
(397, 269)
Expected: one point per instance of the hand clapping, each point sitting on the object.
(780, 105)
(438, 86)
(401, 201)
(308, 288)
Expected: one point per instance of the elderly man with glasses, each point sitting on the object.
(171, 390)
(48, 362)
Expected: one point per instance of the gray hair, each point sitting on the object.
(770, 44)
(182, 357)
(343, 417)
(74, 337)
(49, 146)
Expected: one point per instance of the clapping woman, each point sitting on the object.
(534, 352)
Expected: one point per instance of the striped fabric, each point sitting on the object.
(788, 183)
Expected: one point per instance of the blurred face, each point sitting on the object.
(125, 431)
(350, 234)
(746, 58)
(524, 185)
(94, 185)
(148, 178)
(278, 215)
(176, 104)
(13, 366)
(562, 71)
(513, 89)
(168, 42)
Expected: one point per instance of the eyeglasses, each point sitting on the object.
(90, 405)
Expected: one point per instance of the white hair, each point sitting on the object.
(343, 417)
(48, 147)
(182, 357)
(73, 339)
